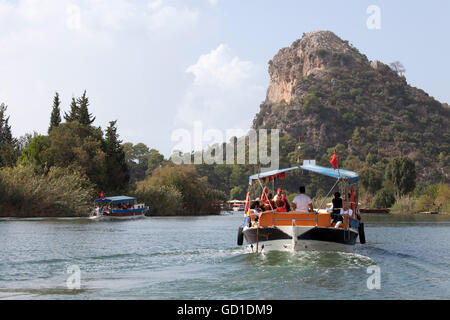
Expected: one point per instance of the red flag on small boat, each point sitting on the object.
(334, 160)
(247, 203)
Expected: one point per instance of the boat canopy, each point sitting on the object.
(351, 176)
(115, 200)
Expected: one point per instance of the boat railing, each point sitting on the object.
(273, 218)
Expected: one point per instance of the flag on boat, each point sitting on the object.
(334, 160)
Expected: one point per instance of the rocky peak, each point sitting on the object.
(311, 55)
(323, 89)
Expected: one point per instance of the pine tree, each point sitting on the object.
(74, 111)
(84, 116)
(117, 174)
(55, 118)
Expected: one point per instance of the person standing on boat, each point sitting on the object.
(302, 202)
(337, 207)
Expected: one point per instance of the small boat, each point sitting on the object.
(118, 208)
(304, 231)
(236, 205)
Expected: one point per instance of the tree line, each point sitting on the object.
(76, 160)
(74, 147)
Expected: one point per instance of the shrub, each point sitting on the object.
(162, 200)
(405, 204)
(384, 198)
(434, 197)
(59, 192)
(185, 189)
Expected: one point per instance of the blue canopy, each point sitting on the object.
(116, 199)
(351, 176)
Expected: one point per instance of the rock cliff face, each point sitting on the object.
(323, 88)
(304, 58)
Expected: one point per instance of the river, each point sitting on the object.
(197, 258)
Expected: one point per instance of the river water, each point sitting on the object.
(197, 258)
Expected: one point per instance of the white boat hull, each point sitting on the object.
(303, 245)
(109, 218)
(300, 238)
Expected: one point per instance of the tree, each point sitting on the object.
(137, 158)
(55, 117)
(398, 67)
(84, 117)
(34, 152)
(76, 146)
(384, 199)
(402, 173)
(117, 174)
(154, 160)
(371, 179)
(8, 152)
(74, 111)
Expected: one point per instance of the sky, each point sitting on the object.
(165, 66)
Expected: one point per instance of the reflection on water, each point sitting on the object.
(197, 258)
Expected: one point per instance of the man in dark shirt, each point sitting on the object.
(337, 206)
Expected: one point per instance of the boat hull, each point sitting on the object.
(121, 217)
(300, 238)
(122, 214)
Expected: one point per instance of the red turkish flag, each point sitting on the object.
(334, 160)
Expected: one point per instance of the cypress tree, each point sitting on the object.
(8, 154)
(117, 174)
(55, 117)
(74, 111)
(83, 115)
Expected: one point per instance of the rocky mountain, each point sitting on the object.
(324, 89)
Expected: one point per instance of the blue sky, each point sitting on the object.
(161, 65)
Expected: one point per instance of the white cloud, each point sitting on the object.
(224, 92)
(220, 68)
(154, 4)
(115, 49)
(213, 2)
(73, 21)
(166, 16)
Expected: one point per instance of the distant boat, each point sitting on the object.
(368, 210)
(236, 205)
(118, 208)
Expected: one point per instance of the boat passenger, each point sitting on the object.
(272, 202)
(302, 202)
(278, 195)
(337, 206)
(287, 207)
(255, 210)
(280, 206)
(344, 211)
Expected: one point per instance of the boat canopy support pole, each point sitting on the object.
(337, 181)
